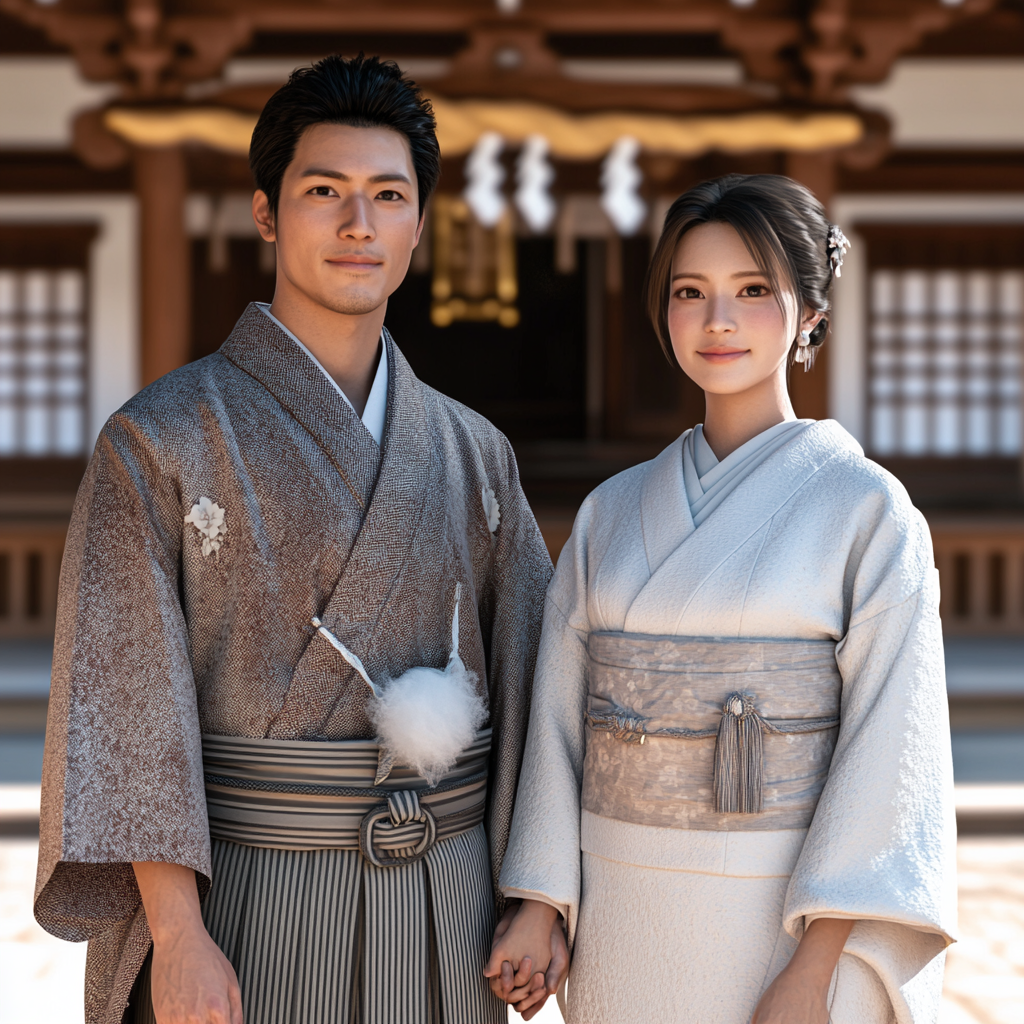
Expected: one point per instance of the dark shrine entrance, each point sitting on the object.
(529, 380)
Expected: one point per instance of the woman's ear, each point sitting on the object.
(810, 321)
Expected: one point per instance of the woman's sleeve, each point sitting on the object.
(881, 849)
(543, 857)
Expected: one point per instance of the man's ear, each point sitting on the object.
(419, 229)
(263, 215)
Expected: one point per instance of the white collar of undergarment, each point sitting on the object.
(376, 403)
(708, 482)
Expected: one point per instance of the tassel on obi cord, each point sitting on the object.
(739, 747)
(426, 717)
(739, 757)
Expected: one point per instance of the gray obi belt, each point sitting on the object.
(313, 795)
(718, 735)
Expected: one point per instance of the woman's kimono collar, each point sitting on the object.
(668, 526)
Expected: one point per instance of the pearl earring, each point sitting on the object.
(804, 353)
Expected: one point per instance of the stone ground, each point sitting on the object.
(41, 977)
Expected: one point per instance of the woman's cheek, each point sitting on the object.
(765, 328)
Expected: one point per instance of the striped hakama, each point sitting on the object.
(321, 935)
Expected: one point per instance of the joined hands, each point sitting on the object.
(529, 957)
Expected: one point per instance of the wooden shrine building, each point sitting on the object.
(127, 247)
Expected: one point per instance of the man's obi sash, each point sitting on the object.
(311, 795)
(720, 735)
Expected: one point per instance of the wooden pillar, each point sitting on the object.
(161, 185)
(809, 391)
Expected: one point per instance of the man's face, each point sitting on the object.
(347, 219)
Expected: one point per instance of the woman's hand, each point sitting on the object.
(524, 949)
(799, 995)
(533, 1000)
(192, 980)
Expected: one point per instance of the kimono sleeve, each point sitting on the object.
(519, 575)
(882, 846)
(122, 770)
(543, 859)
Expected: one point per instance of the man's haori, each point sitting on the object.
(226, 506)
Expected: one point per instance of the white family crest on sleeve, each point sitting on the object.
(208, 519)
(491, 509)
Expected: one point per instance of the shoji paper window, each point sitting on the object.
(43, 340)
(945, 362)
(945, 341)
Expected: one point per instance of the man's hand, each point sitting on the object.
(534, 1000)
(522, 952)
(799, 995)
(193, 982)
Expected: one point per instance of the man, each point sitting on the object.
(263, 540)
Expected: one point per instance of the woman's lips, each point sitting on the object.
(727, 355)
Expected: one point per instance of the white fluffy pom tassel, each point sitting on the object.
(426, 717)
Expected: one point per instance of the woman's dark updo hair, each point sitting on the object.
(782, 224)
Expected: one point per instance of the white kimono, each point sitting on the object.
(677, 912)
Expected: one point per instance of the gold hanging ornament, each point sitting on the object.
(474, 266)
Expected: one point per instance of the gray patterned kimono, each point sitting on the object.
(162, 639)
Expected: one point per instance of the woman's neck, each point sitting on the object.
(732, 420)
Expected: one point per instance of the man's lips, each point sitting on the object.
(723, 355)
(355, 261)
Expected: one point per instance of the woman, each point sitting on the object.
(737, 789)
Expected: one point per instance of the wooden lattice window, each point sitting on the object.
(43, 340)
(945, 341)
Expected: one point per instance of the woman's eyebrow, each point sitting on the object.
(703, 277)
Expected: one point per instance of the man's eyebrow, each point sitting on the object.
(376, 179)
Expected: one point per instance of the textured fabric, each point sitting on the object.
(294, 795)
(376, 408)
(670, 691)
(709, 482)
(816, 543)
(732, 953)
(157, 644)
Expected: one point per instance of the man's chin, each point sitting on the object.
(354, 303)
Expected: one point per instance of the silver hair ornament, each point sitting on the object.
(838, 245)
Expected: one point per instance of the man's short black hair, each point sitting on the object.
(364, 92)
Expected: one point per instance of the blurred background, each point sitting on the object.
(566, 128)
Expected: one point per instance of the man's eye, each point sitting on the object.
(389, 194)
(321, 190)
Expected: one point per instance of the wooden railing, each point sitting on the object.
(980, 562)
(981, 568)
(30, 555)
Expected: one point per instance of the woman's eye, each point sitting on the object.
(689, 293)
(755, 291)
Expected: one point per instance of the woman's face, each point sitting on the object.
(727, 328)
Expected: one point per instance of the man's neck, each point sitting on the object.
(346, 346)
